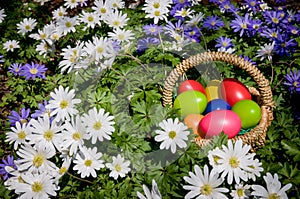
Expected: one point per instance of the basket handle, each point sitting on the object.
(262, 82)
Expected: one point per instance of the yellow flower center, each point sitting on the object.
(27, 27)
(100, 49)
(116, 23)
(97, 125)
(88, 163)
(63, 104)
(90, 18)
(62, 170)
(234, 162)
(224, 44)
(68, 24)
(213, 23)
(115, 5)
(244, 26)
(121, 37)
(184, 13)
(118, 168)
(37, 187)
(283, 44)
(216, 159)
(21, 135)
(33, 71)
(23, 121)
(60, 14)
(103, 10)
(294, 31)
(48, 135)
(43, 36)
(226, 6)
(157, 13)
(274, 196)
(172, 134)
(274, 34)
(156, 5)
(206, 189)
(296, 84)
(11, 46)
(275, 20)
(38, 160)
(240, 192)
(76, 136)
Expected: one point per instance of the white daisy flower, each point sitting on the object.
(204, 184)
(74, 135)
(59, 13)
(157, 9)
(35, 159)
(41, 2)
(121, 35)
(183, 12)
(240, 192)
(15, 178)
(43, 34)
(154, 194)
(63, 103)
(91, 19)
(27, 25)
(174, 134)
(228, 50)
(45, 133)
(99, 124)
(36, 186)
(274, 189)
(18, 135)
(72, 58)
(102, 8)
(66, 24)
(100, 48)
(232, 161)
(87, 162)
(43, 48)
(116, 19)
(10, 45)
(71, 3)
(118, 167)
(255, 169)
(195, 19)
(116, 4)
(2, 15)
(266, 51)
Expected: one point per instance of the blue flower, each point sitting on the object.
(178, 27)
(227, 7)
(15, 69)
(293, 81)
(193, 34)
(224, 42)
(248, 59)
(273, 18)
(145, 43)
(9, 162)
(293, 30)
(240, 24)
(284, 45)
(270, 33)
(253, 5)
(32, 71)
(1, 60)
(255, 26)
(152, 29)
(42, 110)
(213, 23)
(15, 117)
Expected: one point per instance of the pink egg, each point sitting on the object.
(217, 121)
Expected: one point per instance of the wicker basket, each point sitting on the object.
(255, 137)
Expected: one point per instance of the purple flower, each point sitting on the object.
(253, 5)
(152, 29)
(178, 27)
(224, 42)
(284, 45)
(15, 69)
(271, 34)
(1, 60)
(184, 3)
(293, 30)
(273, 18)
(193, 34)
(293, 81)
(228, 7)
(145, 43)
(213, 23)
(9, 162)
(240, 24)
(15, 117)
(42, 110)
(34, 71)
(255, 26)
(248, 59)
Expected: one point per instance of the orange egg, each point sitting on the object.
(192, 121)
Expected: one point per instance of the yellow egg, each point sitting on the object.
(212, 90)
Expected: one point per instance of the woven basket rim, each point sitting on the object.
(256, 136)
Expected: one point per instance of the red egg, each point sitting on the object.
(191, 85)
(232, 90)
(219, 121)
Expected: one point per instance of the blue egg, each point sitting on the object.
(217, 104)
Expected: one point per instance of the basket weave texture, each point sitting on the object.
(256, 136)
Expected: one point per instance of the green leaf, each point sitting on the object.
(293, 149)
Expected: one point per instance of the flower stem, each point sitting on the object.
(79, 178)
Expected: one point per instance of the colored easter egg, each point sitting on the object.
(190, 102)
(232, 90)
(219, 121)
(217, 104)
(192, 121)
(191, 85)
(212, 90)
(249, 112)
